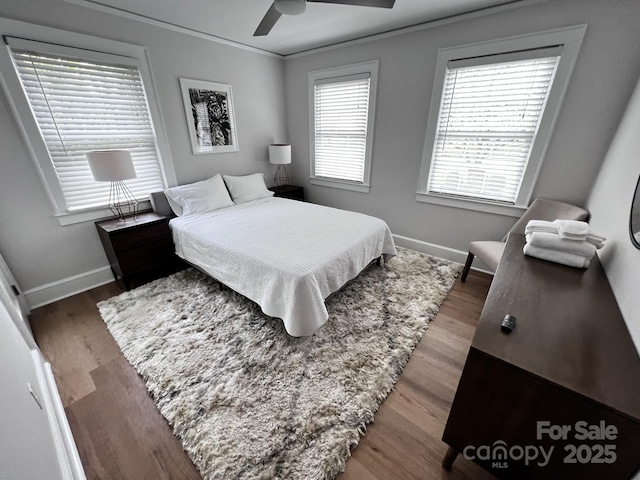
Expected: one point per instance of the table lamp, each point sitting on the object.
(280, 155)
(115, 166)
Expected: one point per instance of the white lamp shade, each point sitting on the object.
(111, 165)
(290, 7)
(280, 153)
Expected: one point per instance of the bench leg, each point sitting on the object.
(467, 267)
(449, 458)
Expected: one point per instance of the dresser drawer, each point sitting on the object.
(138, 237)
(142, 258)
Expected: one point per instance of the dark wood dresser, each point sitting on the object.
(567, 377)
(137, 245)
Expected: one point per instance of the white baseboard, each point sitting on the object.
(441, 251)
(54, 291)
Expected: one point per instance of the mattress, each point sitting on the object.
(285, 255)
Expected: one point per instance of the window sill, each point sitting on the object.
(65, 219)
(477, 205)
(354, 187)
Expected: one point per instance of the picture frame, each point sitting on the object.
(208, 107)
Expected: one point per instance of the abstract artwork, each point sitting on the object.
(210, 117)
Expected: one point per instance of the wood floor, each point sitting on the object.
(121, 435)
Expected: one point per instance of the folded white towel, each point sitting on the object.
(565, 258)
(572, 229)
(550, 227)
(555, 242)
(541, 226)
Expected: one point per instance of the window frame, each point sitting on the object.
(371, 68)
(570, 39)
(97, 48)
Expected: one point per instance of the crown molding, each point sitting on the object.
(170, 26)
(459, 17)
(370, 38)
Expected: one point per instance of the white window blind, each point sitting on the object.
(341, 111)
(82, 105)
(490, 112)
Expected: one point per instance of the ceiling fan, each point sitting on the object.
(296, 7)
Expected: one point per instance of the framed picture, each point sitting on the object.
(210, 116)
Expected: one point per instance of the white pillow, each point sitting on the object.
(199, 197)
(177, 209)
(248, 187)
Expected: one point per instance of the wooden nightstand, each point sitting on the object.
(137, 245)
(289, 191)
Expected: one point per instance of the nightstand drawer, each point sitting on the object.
(147, 256)
(139, 237)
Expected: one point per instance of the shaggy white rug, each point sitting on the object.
(249, 401)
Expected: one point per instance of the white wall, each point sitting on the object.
(40, 251)
(610, 205)
(603, 79)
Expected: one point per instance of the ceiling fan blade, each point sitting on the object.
(267, 23)
(360, 3)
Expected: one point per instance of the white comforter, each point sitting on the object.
(285, 255)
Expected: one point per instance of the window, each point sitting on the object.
(69, 101)
(491, 117)
(342, 109)
(84, 105)
(488, 121)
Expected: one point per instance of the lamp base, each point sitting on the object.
(124, 210)
(281, 177)
(122, 202)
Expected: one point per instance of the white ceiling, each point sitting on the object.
(319, 26)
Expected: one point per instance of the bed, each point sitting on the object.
(287, 256)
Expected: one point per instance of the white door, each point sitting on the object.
(18, 307)
(29, 449)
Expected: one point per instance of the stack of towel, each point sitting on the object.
(568, 242)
